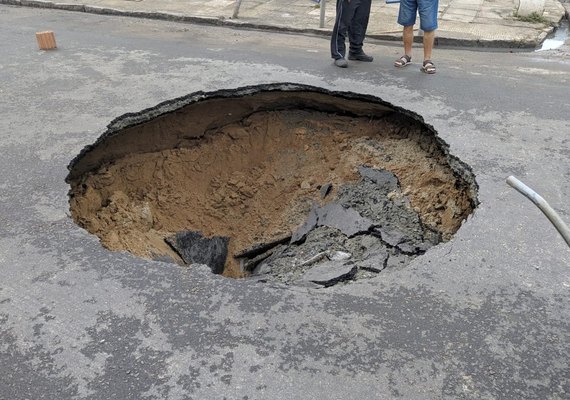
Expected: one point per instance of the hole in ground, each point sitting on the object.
(283, 182)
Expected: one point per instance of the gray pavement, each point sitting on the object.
(484, 316)
(484, 23)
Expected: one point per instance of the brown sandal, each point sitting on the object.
(403, 61)
(428, 67)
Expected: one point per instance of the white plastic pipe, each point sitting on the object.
(543, 205)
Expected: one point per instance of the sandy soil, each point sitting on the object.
(256, 180)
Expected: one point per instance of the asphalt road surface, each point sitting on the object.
(484, 316)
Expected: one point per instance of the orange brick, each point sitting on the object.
(46, 40)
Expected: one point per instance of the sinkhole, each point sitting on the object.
(282, 182)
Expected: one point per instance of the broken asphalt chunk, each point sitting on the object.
(392, 237)
(330, 273)
(260, 248)
(311, 223)
(347, 220)
(250, 264)
(333, 215)
(325, 190)
(194, 248)
(383, 178)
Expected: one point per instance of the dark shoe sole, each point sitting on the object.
(361, 58)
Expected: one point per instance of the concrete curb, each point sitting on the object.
(227, 22)
(112, 11)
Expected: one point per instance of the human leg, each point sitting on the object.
(357, 30)
(408, 38)
(428, 10)
(407, 18)
(428, 66)
(344, 14)
(428, 44)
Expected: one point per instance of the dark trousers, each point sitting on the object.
(351, 17)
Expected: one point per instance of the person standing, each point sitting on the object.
(428, 24)
(352, 18)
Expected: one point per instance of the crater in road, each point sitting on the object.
(281, 182)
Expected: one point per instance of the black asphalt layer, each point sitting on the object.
(484, 316)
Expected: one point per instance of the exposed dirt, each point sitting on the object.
(256, 180)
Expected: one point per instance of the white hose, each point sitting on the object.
(543, 205)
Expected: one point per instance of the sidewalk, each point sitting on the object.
(483, 23)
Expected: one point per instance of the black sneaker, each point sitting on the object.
(360, 57)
